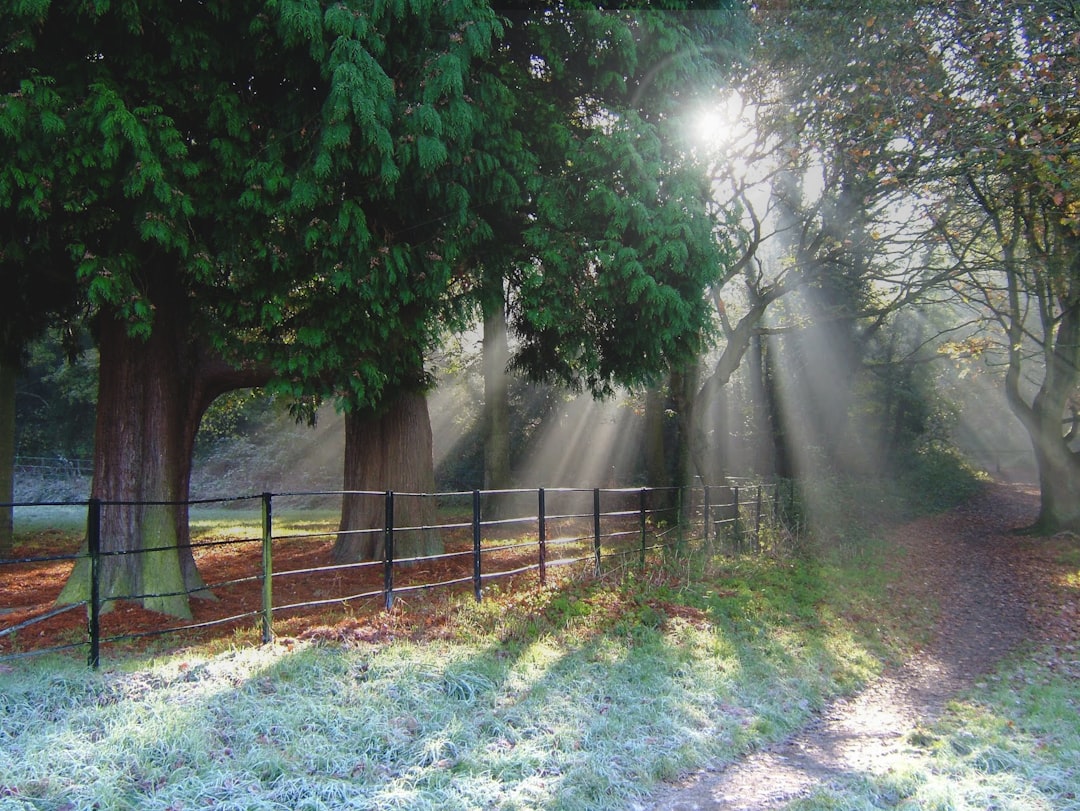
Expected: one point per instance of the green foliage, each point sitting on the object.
(55, 400)
(935, 477)
(272, 193)
(233, 415)
(608, 248)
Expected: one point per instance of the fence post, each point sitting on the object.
(641, 521)
(543, 536)
(757, 527)
(706, 512)
(267, 570)
(737, 532)
(477, 576)
(388, 553)
(93, 610)
(738, 528)
(596, 527)
(679, 494)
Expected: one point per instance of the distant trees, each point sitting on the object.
(1001, 93)
(948, 136)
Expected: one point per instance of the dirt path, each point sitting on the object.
(967, 562)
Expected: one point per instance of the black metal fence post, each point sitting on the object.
(477, 575)
(596, 527)
(267, 569)
(679, 495)
(641, 521)
(736, 530)
(706, 513)
(757, 526)
(388, 553)
(542, 529)
(93, 609)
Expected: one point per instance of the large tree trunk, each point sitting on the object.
(761, 434)
(151, 397)
(684, 384)
(1044, 417)
(146, 424)
(781, 450)
(389, 450)
(7, 456)
(659, 457)
(657, 468)
(1059, 483)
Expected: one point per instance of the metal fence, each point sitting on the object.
(53, 467)
(487, 536)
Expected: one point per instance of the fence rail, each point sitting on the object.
(526, 532)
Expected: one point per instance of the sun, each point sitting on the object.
(709, 126)
(721, 123)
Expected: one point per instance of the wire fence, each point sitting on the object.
(53, 467)
(276, 561)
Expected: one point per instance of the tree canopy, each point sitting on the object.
(293, 194)
(206, 174)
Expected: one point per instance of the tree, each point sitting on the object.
(973, 108)
(205, 173)
(7, 456)
(601, 254)
(823, 178)
(1005, 116)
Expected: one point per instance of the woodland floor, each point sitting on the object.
(996, 592)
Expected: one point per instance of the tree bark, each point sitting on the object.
(761, 440)
(8, 374)
(151, 397)
(683, 384)
(657, 469)
(1042, 418)
(146, 423)
(390, 449)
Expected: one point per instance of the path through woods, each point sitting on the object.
(992, 587)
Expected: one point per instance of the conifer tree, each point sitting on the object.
(206, 174)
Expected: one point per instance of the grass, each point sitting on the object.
(578, 696)
(1013, 744)
(582, 695)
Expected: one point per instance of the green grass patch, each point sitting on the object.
(1012, 744)
(580, 695)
